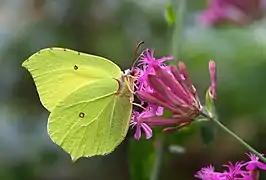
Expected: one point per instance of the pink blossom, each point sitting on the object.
(212, 71)
(239, 12)
(208, 173)
(148, 62)
(161, 88)
(238, 171)
(254, 163)
(140, 125)
(167, 89)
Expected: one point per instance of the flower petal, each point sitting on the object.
(147, 130)
(251, 166)
(169, 80)
(212, 71)
(137, 134)
(261, 165)
(184, 72)
(162, 89)
(150, 98)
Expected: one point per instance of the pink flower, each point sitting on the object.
(140, 125)
(149, 118)
(167, 89)
(212, 71)
(237, 171)
(148, 62)
(218, 11)
(239, 12)
(254, 163)
(163, 88)
(208, 173)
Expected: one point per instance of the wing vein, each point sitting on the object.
(95, 99)
(98, 120)
(110, 120)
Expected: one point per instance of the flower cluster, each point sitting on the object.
(161, 87)
(239, 12)
(238, 171)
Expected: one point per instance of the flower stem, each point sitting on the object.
(259, 155)
(155, 173)
(178, 31)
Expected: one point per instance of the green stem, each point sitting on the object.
(155, 173)
(177, 37)
(251, 149)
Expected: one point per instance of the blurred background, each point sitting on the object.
(232, 32)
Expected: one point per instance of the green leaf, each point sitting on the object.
(207, 131)
(170, 15)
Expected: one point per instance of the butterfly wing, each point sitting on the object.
(58, 72)
(92, 120)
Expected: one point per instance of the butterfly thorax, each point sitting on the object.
(126, 86)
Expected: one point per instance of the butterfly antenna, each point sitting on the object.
(135, 57)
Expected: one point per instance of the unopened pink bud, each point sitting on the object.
(212, 71)
(184, 72)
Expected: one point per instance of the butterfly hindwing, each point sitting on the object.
(91, 121)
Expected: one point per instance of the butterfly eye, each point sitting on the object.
(76, 67)
(81, 115)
